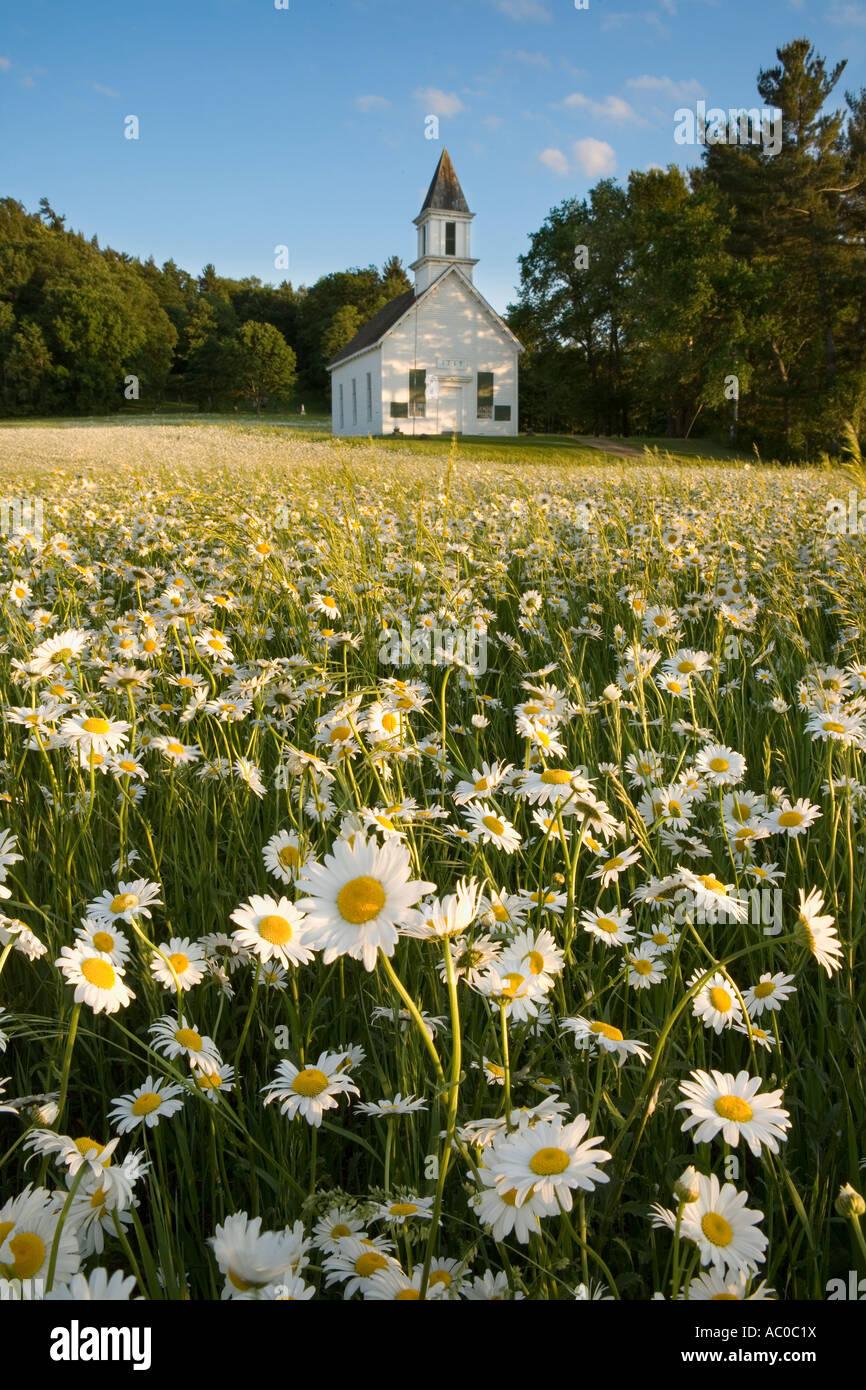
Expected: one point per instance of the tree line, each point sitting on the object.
(728, 300)
(85, 329)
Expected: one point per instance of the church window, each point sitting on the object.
(342, 421)
(399, 410)
(450, 238)
(485, 395)
(502, 412)
(418, 392)
(354, 401)
(369, 395)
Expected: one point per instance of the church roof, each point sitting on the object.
(382, 322)
(445, 193)
(376, 327)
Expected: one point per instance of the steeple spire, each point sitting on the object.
(443, 228)
(445, 193)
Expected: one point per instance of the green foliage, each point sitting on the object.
(264, 364)
(754, 267)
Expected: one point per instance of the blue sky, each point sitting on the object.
(305, 126)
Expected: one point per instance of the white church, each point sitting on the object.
(437, 359)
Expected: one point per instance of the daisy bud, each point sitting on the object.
(611, 693)
(686, 1187)
(849, 1202)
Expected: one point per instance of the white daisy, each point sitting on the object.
(310, 1091)
(359, 898)
(723, 1228)
(150, 1102)
(273, 930)
(721, 1103)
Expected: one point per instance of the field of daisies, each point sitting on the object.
(424, 875)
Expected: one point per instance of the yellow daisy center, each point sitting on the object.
(146, 1103)
(310, 1082)
(28, 1252)
(536, 962)
(660, 938)
(368, 1263)
(407, 1296)
(176, 749)
(360, 900)
(338, 1231)
(643, 967)
(178, 962)
(98, 972)
(790, 818)
(403, 1209)
(189, 1038)
(123, 902)
(441, 1276)
(87, 1146)
(127, 765)
(340, 734)
(511, 985)
(606, 924)
(719, 764)
(716, 1229)
(289, 856)
(556, 776)
(96, 726)
(764, 989)
(607, 1030)
(103, 941)
(711, 883)
(724, 1298)
(720, 999)
(275, 929)
(390, 722)
(493, 824)
(548, 1162)
(733, 1108)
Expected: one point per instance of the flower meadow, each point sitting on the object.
(525, 963)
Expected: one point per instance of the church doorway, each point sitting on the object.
(450, 409)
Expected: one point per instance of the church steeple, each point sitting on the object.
(443, 228)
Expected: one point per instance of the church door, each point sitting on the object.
(450, 409)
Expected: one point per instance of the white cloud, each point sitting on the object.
(5, 64)
(103, 91)
(437, 102)
(851, 16)
(554, 160)
(492, 122)
(594, 157)
(26, 82)
(611, 109)
(524, 9)
(666, 87)
(370, 102)
(532, 60)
